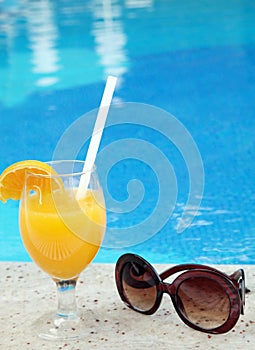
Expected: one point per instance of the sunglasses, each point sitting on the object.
(205, 299)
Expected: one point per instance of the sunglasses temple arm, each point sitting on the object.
(169, 272)
(236, 276)
(183, 267)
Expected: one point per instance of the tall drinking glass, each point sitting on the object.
(62, 235)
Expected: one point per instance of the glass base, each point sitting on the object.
(57, 327)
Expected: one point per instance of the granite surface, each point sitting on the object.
(27, 293)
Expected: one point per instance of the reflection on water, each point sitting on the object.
(110, 38)
(42, 35)
(138, 3)
(60, 44)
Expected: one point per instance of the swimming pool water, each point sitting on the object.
(193, 60)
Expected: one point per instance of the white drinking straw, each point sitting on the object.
(96, 136)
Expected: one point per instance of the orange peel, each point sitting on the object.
(12, 179)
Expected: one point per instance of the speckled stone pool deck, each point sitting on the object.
(27, 293)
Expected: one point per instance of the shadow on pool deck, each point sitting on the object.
(27, 293)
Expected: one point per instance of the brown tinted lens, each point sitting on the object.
(139, 286)
(204, 302)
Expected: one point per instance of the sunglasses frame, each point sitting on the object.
(234, 286)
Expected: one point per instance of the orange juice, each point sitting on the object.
(60, 234)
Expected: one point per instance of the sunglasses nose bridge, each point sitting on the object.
(167, 288)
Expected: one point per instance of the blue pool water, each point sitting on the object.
(193, 59)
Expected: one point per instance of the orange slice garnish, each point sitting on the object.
(12, 180)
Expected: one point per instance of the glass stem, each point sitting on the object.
(67, 306)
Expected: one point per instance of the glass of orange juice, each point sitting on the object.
(62, 234)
